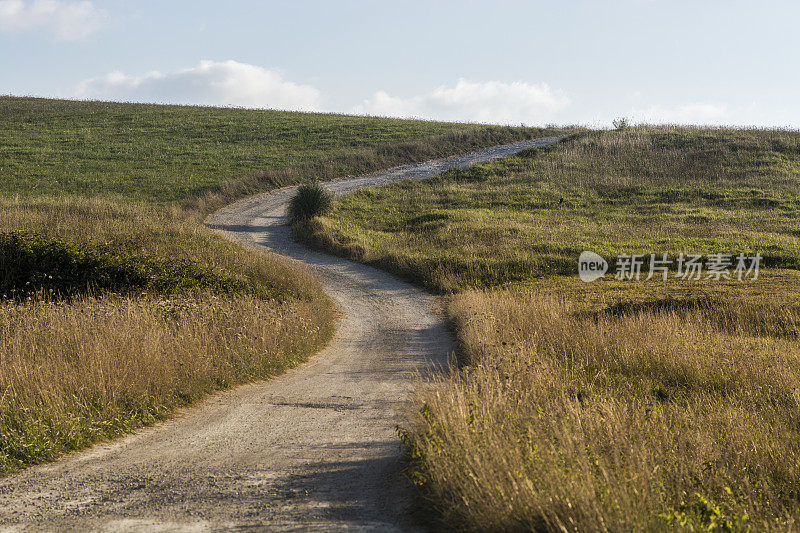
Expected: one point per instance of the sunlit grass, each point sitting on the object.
(180, 154)
(638, 420)
(611, 405)
(75, 373)
(120, 191)
(658, 190)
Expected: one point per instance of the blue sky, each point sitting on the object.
(587, 62)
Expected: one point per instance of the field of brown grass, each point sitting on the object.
(72, 374)
(611, 405)
(642, 420)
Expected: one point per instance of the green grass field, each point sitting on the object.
(646, 190)
(611, 405)
(118, 305)
(171, 154)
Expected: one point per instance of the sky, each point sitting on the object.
(500, 61)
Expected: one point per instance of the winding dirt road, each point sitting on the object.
(315, 448)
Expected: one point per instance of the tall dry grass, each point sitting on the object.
(640, 420)
(75, 373)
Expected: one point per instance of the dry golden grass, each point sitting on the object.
(644, 420)
(72, 374)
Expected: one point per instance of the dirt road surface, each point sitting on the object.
(314, 449)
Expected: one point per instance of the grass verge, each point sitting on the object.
(73, 374)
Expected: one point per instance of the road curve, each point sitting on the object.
(313, 449)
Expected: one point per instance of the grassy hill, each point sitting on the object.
(656, 190)
(173, 154)
(117, 305)
(612, 405)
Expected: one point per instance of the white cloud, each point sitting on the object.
(491, 102)
(209, 83)
(693, 113)
(67, 21)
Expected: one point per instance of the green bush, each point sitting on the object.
(31, 264)
(311, 200)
